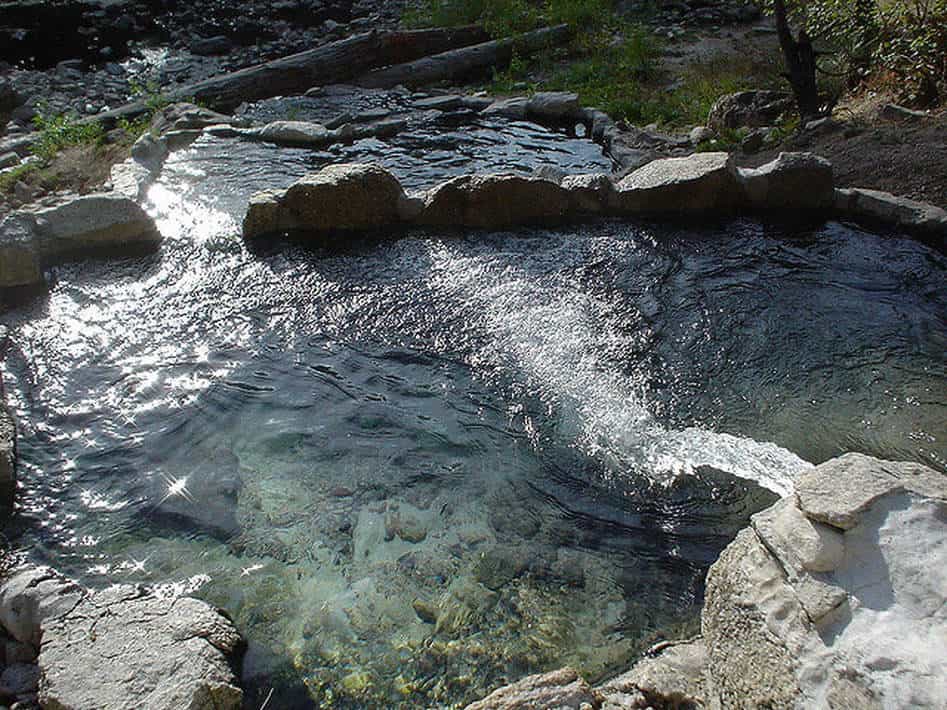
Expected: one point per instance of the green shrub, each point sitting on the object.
(57, 132)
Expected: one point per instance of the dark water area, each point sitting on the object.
(413, 469)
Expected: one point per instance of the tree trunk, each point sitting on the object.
(799, 56)
(330, 64)
(461, 63)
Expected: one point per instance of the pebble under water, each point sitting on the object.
(415, 470)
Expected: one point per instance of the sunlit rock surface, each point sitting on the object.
(791, 181)
(339, 197)
(19, 259)
(493, 201)
(875, 205)
(90, 222)
(836, 597)
(124, 647)
(699, 182)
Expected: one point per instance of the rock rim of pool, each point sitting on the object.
(120, 647)
(833, 597)
(339, 200)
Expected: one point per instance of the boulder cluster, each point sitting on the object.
(834, 597)
(358, 197)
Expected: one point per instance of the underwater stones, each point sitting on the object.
(562, 689)
(19, 258)
(344, 197)
(875, 205)
(491, 201)
(835, 593)
(791, 181)
(90, 223)
(406, 524)
(199, 492)
(124, 647)
(698, 182)
(500, 565)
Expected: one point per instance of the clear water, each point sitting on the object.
(414, 470)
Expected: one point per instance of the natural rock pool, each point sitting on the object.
(414, 470)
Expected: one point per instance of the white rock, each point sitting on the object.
(791, 181)
(698, 182)
(893, 210)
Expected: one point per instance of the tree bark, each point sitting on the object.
(461, 63)
(799, 56)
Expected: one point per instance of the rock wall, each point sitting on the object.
(835, 597)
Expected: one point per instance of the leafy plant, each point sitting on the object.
(58, 132)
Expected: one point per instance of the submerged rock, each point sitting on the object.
(125, 647)
(791, 181)
(344, 197)
(698, 182)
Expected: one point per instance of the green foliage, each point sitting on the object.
(584, 15)
(13, 176)
(58, 132)
(501, 18)
(150, 94)
(862, 39)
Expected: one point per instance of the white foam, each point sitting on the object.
(560, 338)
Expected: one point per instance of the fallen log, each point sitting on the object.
(332, 63)
(457, 64)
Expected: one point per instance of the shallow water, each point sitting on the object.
(414, 470)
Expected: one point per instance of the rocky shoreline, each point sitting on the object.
(833, 598)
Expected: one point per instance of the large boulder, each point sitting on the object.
(494, 201)
(835, 597)
(875, 205)
(19, 259)
(790, 181)
(93, 223)
(698, 182)
(562, 689)
(124, 648)
(748, 109)
(344, 197)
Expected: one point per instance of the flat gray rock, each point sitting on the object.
(897, 211)
(19, 258)
(123, 649)
(698, 182)
(839, 491)
(562, 689)
(791, 181)
(343, 197)
(89, 223)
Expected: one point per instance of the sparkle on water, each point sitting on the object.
(413, 471)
